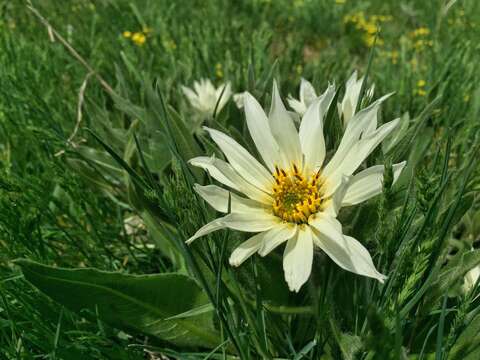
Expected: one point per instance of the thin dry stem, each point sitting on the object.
(51, 30)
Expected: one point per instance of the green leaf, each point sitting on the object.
(95, 178)
(135, 177)
(452, 275)
(350, 345)
(466, 347)
(187, 145)
(101, 158)
(162, 234)
(133, 302)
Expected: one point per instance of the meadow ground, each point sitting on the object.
(95, 135)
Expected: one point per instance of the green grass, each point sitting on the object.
(63, 200)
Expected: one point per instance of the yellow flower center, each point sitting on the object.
(296, 197)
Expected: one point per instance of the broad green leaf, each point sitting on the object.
(140, 303)
(160, 233)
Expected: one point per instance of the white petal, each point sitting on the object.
(350, 137)
(296, 105)
(246, 249)
(191, 96)
(344, 250)
(358, 153)
(223, 172)
(188, 93)
(254, 221)
(363, 123)
(333, 206)
(276, 236)
(239, 99)
(225, 97)
(198, 86)
(352, 94)
(259, 129)
(370, 92)
(362, 261)
(368, 183)
(284, 131)
(311, 131)
(470, 279)
(347, 110)
(212, 226)
(241, 160)
(307, 92)
(218, 199)
(327, 226)
(208, 164)
(298, 259)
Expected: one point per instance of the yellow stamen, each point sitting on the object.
(296, 197)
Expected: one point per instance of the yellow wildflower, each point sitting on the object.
(369, 40)
(371, 28)
(421, 88)
(368, 25)
(421, 31)
(127, 34)
(139, 38)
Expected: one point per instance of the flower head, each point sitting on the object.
(204, 96)
(139, 38)
(293, 196)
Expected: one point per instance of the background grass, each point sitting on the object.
(59, 207)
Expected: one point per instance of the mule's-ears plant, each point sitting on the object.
(295, 195)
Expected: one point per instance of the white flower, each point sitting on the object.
(293, 197)
(239, 99)
(307, 97)
(470, 279)
(346, 109)
(204, 96)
